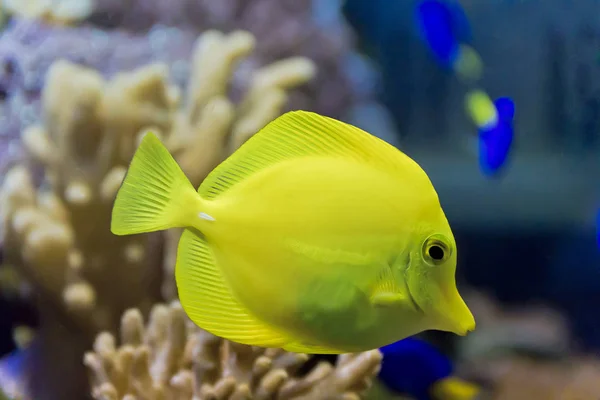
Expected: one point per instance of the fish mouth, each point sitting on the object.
(462, 327)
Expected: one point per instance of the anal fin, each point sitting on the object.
(299, 347)
(209, 303)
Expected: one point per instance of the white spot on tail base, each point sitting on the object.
(205, 216)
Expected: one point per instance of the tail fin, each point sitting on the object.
(155, 194)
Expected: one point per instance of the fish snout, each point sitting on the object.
(455, 314)
(464, 327)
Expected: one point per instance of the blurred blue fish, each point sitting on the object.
(495, 142)
(12, 374)
(414, 367)
(443, 25)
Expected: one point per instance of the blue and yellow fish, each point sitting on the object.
(414, 367)
(494, 120)
(314, 236)
(445, 29)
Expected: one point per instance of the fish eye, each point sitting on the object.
(436, 253)
(435, 250)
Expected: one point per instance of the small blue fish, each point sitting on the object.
(443, 26)
(495, 142)
(494, 121)
(414, 367)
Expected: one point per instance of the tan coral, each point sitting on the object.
(173, 359)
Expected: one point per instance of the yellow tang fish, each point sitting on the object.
(314, 236)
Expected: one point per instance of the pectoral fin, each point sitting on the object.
(386, 291)
(385, 299)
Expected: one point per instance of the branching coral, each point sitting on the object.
(28, 49)
(282, 27)
(150, 31)
(58, 234)
(172, 359)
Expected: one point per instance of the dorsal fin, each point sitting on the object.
(299, 134)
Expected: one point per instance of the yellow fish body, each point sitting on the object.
(314, 236)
